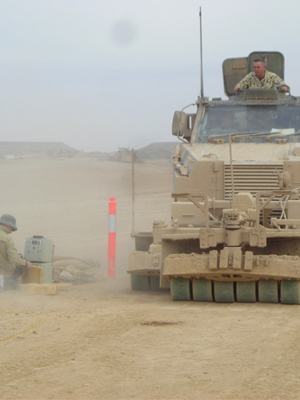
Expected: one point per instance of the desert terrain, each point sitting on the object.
(103, 341)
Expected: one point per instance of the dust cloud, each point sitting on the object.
(65, 198)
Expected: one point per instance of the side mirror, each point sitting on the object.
(179, 122)
(183, 124)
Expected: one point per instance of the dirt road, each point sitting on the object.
(103, 341)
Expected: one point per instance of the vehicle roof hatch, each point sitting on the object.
(234, 69)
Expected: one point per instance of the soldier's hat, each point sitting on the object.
(9, 220)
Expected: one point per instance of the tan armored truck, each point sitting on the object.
(235, 219)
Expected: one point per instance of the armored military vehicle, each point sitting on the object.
(235, 219)
(125, 155)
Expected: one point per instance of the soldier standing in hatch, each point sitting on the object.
(261, 78)
(11, 265)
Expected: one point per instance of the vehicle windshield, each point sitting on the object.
(219, 121)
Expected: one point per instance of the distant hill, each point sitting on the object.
(159, 150)
(18, 149)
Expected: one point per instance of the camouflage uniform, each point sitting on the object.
(9, 258)
(269, 81)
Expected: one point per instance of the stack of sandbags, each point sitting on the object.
(76, 271)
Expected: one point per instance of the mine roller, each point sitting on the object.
(235, 216)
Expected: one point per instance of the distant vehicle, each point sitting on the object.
(125, 155)
(235, 219)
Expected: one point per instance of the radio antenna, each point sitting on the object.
(201, 62)
(132, 190)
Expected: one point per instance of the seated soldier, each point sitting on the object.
(261, 78)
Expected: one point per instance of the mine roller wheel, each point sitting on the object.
(290, 292)
(180, 289)
(140, 282)
(224, 292)
(155, 284)
(202, 290)
(246, 292)
(268, 291)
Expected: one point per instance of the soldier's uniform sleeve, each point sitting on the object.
(245, 82)
(12, 254)
(279, 82)
(6, 268)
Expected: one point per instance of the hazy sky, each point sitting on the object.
(103, 74)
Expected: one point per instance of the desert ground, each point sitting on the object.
(101, 340)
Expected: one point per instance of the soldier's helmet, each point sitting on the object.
(9, 220)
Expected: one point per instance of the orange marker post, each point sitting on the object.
(112, 211)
